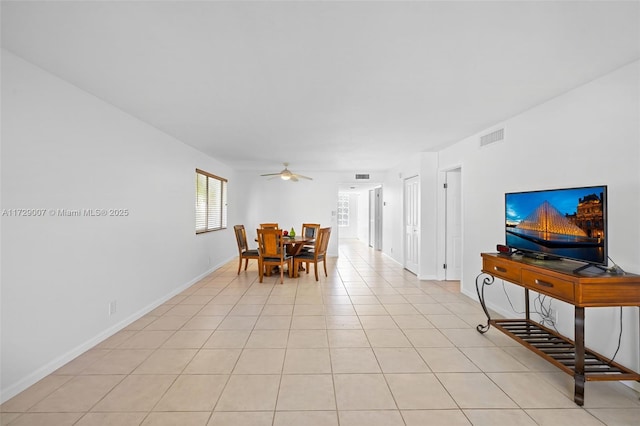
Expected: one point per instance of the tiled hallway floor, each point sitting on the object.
(369, 345)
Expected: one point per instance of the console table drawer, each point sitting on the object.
(551, 286)
(502, 269)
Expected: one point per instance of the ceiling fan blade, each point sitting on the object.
(271, 174)
(293, 178)
(303, 177)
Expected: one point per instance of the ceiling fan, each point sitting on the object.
(287, 174)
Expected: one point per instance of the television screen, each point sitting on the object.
(559, 223)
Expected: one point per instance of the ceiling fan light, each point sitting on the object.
(285, 177)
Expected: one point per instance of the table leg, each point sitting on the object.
(579, 378)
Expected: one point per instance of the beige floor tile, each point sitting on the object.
(448, 321)
(213, 309)
(78, 394)
(530, 390)
(168, 322)
(354, 360)
(465, 337)
(268, 339)
(400, 309)
(221, 299)
(400, 360)
(616, 416)
(348, 339)
(575, 416)
(362, 392)
(213, 361)
(203, 322)
(34, 394)
(393, 299)
(238, 323)
(260, 361)
(175, 419)
(428, 338)
(364, 310)
(119, 361)
(306, 392)
(419, 391)
(499, 417)
(166, 361)
(6, 418)
(307, 361)
(141, 323)
(371, 322)
(82, 362)
(609, 395)
(308, 322)
(278, 310)
(447, 360)
(492, 359)
(340, 309)
(475, 390)
(184, 310)
(46, 419)
(259, 418)
(135, 393)
(184, 339)
(144, 339)
(250, 310)
(371, 418)
(227, 339)
(382, 338)
(117, 339)
(308, 339)
(250, 393)
(273, 322)
(432, 309)
(111, 419)
(438, 418)
(306, 418)
(193, 393)
(408, 322)
(306, 310)
(343, 322)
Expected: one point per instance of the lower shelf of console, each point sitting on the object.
(560, 351)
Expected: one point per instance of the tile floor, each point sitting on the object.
(369, 345)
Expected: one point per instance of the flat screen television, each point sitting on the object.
(569, 223)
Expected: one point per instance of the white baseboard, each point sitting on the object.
(29, 380)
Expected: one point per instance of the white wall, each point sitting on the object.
(65, 149)
(290, 204)
(589, 136)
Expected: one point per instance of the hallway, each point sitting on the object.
(369, 345)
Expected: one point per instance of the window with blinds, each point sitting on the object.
(211, 202)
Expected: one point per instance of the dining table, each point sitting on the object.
(293, 245)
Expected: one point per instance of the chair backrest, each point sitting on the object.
(270, 243)
(310, 230)
(322, 242)
(241, 238)
(269, 226)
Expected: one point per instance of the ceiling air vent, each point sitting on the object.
(362, 175)
(489, 138)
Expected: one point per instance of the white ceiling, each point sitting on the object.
(327, 86)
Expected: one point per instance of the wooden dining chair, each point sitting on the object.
(243, 248)
(272, 252)
(310, 230)
(269, 226)
(315, 256)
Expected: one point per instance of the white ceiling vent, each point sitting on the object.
(360, 176)
(489, 138)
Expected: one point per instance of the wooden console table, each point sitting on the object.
(557, 279)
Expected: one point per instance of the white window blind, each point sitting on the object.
(211, 202)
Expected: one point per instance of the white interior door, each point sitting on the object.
(377, 244)
(412, 224)
(453, 225)
(372, 217)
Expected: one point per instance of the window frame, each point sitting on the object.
(211, 192)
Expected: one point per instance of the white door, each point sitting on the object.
(378, 233)
(372, 217)
(453, 226)
(412, 224)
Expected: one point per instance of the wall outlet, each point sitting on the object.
(112, 307)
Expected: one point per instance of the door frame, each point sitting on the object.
(405, 207)
(442, 221)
